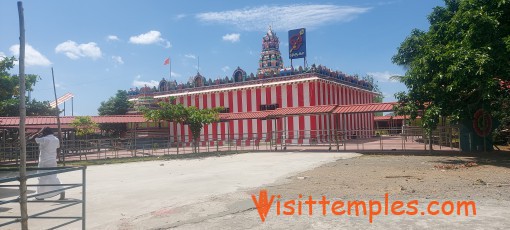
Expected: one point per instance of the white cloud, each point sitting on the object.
(117, 60)
(180, 16)
(139, 84)
(383, 76)
(32, 56)
(151, 37)
(112, 38)
(231, 37)
(60, 85)
(225, 68)
(75, 51)
(283, 17)
(2, 55)
(174, 74)
(190, 56)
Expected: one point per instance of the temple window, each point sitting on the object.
(269, 107)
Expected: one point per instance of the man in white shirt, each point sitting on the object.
(48, 145)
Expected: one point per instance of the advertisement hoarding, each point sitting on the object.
(297, 43)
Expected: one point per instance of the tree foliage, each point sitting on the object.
(378, 97)
(455, 67)
(197, 118)
(84, 125)
(116, 105)
(9, 93)
(194, 117)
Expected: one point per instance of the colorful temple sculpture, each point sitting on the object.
(272, 87)
(270, 62)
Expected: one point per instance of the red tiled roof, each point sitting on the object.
(365, 108)
(244, 115)
(50, 120)
(291, 111)
(37, 127)
(280, 112)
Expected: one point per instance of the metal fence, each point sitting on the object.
(406, 138)
(45, 207)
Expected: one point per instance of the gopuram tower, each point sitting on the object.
(270, 61)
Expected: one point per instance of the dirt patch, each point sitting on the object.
(404, 177)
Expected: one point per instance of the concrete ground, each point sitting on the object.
(122, 196)
(216, 192)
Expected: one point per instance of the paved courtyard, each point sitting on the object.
(119, 193)
(216, 192)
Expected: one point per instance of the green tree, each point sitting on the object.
(194, 117)
(170, 112)
(9, 93)
(454, 68)
(84, 126)
(378, 97)
(197, 118)
(117, 105)
(10, 108)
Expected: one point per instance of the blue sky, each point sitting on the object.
(97, 47)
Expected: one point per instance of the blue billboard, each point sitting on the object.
(297, 43)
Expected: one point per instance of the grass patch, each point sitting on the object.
(151, 158)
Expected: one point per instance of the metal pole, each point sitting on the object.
(169, 145)
(285, 130)
(329, 130)
(345, 132)
(22, 114)
(178, 138)
(275, 137)
(218, 133)
(440, 134)
(228, 135)
(280, 134)
(83, 197)
(424, 140)
(337, 123)
(134, 138)
(381, 142)
(271, 138)
(58, 119)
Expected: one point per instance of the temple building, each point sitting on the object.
(273, 87)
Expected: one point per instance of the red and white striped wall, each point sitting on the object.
(309, 91)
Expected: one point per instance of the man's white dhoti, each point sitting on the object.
(48, 158)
